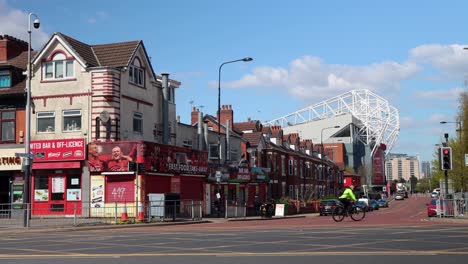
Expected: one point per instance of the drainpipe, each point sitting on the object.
(200, 131)
(227, 154)
(205, 130)
(165, 109)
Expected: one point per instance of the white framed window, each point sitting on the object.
(187, 143)
(138, 122)
(5, 79)
(213, 151)
(71, 120)
(58, 68)
(7, 125)
(45, 122)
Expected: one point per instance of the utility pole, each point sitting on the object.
(446, 171)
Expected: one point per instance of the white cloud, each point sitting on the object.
(451, 60)
(446, 95)
(308, 77)
(14, 22)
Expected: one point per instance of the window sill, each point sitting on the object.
(70, 131)
(141, 86)
(57, 80)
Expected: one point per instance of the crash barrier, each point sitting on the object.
(86, 213)
(235, 209)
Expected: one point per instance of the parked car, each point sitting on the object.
(374, 205)
(382, 202)
(326, 206)
(363, 206)
(432, 208)
(399, 196)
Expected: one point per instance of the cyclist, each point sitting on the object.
(347, 197)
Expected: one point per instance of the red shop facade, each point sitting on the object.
(57, 176)
(126, 172)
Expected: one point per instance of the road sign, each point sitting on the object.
(24, 155)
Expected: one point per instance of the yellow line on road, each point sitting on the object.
(237, 254)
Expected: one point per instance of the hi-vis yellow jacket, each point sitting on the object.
(348, 194)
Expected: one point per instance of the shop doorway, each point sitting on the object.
(4, 189)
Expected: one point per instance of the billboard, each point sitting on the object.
(378, 167)
(149, 156)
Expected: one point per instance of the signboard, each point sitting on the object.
(466, 160)
(111, 156)
(378, 167)
(97, 191)
(279, 210)
(58, 149)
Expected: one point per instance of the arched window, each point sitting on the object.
(136, 73)
(59, 67)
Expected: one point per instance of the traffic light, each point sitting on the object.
(446, 158)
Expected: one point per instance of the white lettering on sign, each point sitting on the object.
(118, 193)
(58, 144)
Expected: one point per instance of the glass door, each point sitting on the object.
(57, 197)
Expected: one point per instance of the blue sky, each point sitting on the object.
(408, 52)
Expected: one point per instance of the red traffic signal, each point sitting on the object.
(446, 158)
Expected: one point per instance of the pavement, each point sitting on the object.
(56, 228)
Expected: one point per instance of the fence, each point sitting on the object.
(456, 207)
(235, 209)
(86, 213)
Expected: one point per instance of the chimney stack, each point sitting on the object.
(226, 114)
(11, 47)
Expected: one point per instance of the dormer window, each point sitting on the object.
(5, 79)
(136, 73)
(59, 68)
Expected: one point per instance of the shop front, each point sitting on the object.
(57, 176)
(11, 178)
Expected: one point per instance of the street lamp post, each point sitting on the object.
(219, 104)
(459, 123)
(28, 158)
(322, 150)
(218, 173)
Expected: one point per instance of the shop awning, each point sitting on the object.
(56, 165)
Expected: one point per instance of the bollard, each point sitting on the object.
(74, 214)
(115, 215)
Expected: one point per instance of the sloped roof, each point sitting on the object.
(84, 50)
(20, 62)
(245, 126)
(107, 55)
(116, 54)
(253, 138)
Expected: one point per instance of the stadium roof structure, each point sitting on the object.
(379, 121)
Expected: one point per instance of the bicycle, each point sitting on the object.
(355, 212)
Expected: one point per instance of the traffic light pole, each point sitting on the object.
(446, 171)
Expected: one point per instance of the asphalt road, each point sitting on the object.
(390, 235)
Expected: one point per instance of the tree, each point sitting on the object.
(459, 172)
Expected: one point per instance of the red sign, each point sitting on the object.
(378, 167)
(151, 157)
(58, 149)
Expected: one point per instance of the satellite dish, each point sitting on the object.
(104, 116)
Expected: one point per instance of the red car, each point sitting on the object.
(432, 208)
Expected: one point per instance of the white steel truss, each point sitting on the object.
(379, 121)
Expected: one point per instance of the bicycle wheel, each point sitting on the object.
(357, 214)
(338, 214)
